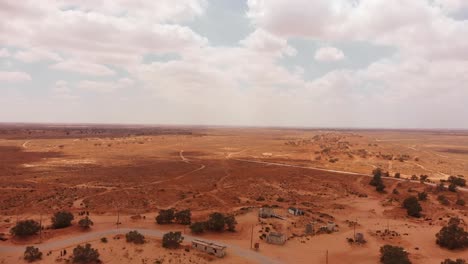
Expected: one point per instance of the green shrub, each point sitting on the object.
(453, 235)
(85, 223)
(393, 255)
(457, 261)
(85, 254)
(165, 216)
(422, 196)
(32, 254)
(172, 239)
(135, 237)
(62, 219)
(197, 227)
(183, 217)
(25, 228)
(413, 208)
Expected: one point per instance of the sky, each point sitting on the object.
(300, 63)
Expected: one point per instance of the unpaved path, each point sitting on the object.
(57, 244)
(336, 171)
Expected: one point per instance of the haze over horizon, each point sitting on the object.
(301, 63)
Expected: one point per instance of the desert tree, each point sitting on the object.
(216, 222)
(452, 236)
(62, 219)
(25, 228)
(412, 206)
(85, 223)
(165, 216)
(85, 254)
(135, 237)
(231, 223)
(457, 261)
(172, 239)
(183, 217)
(32, 254)
(393, 255)
(422, 196)
(197, 227)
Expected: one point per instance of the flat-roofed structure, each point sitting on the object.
(210, 248)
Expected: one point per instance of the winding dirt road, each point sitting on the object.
(57, 244)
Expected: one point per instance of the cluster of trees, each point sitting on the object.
(456, 181)
(81, 254)
(216, 222)
(135, 237)
(60, 219)
(172, 239)
(25, 228)
(85, 254)
(169, 216)
(453, 235)
(377, 180)
(393, 255)
(412, 206)
(457, 261)
(32, 254)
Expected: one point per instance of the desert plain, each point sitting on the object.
(127, 174)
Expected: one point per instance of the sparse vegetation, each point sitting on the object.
(413, 208)
(397, 175)
(422, 196)
(183, 217)
(452, 187)
(32, 254)
(25, 228)
(172, 239)
(217, 222)
(165, 216)
(460, 202)
(135, 237)
(457, 261)
(377, 180)
(197, 227)
(85, 254)
(393, 255)
(104, 239)
(457, 180)
(452, 236)
(443, 200)
(85, 223)
(62, 219)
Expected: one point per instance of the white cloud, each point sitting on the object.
(329, 54)
(105, 86)
(83, 67)
(35, 55)
(262, 41)
(14, 76)
(4, 53)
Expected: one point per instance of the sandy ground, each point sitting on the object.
(232, 171)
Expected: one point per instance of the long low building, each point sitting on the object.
(210, 248)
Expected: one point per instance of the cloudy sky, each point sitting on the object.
(317, 63)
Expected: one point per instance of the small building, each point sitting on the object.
(266, 212)
(295, 211)
(276, 238)
(210, 248)
(309, 229)
(359, 238)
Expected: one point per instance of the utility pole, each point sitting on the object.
(251, 237)
(355, 223)
(40, 229)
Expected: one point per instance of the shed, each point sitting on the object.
(210, 248)
(276, 238)
(295, 211)
(266, 212)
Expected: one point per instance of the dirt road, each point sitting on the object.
(52, 245)
(337, 171)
